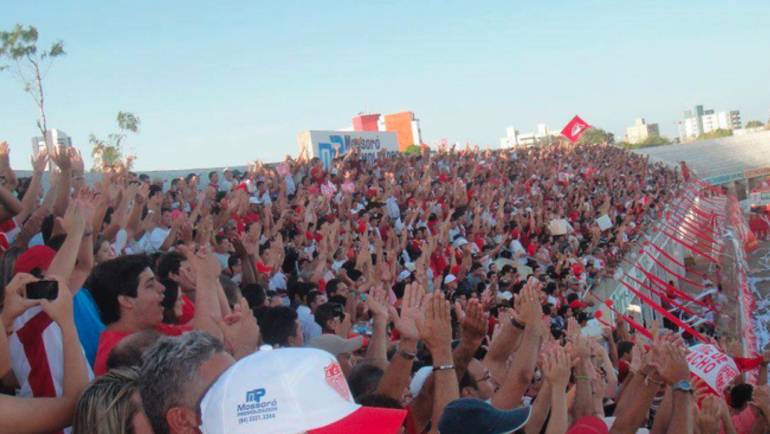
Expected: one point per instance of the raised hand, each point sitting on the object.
(475, 321)
(531, 310)
(377, 302)
(15, 302)
(436, 326)
(557, 367)
(671, 363)
(61, 157)
(240, 330)
(573, 329)
(60, 309)
(761, 399)
(708, 418)
(76, 160)
(39, 160)
(73, 221)
(411, 312)
(205, 262)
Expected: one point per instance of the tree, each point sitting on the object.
(649, 142)
(754, 124)
(109, 152)
(721, 132)
(29, 64)
(594, 136)
(413, 150)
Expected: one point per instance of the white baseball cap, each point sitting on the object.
(290, 390)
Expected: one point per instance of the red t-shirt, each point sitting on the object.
(109, 339)
(188, 310)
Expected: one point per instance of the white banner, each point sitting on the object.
(712, 366)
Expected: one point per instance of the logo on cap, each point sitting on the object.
(255, 409)
(255, 395)
(336, 380)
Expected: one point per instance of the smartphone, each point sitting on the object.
(43, 289)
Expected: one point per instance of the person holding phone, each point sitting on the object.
(35, 415)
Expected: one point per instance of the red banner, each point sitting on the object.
(672, 259)
(664, 296)
(664, 285)
(690, 247)
(574, 129)
(658, 308)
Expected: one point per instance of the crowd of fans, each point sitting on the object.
(445, 292)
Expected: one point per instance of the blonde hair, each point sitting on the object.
(106, 407)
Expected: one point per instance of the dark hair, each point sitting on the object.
(312, 296)
(364, 379)
(233, 260)
(169, 263)
(328, 311)
(740, 394)
(297, 289)
(254, 294)
(624, 347)
(331, 286)
(277, 325)
(49, 239)
(339, 299)
(378, 400)
(113, 278)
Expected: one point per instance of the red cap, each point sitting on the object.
(37, 257)
(589, 425)
(577, 304)
(370, 420)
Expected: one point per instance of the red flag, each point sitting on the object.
(574, 129)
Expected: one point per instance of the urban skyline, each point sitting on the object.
(242, 80)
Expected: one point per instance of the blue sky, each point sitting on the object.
(219, 83)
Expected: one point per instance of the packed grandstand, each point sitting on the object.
(560, 289)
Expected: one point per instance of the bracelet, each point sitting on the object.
(443, 367)
(517, 324)
(406, 354)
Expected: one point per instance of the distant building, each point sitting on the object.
(640, 131)
(366, 122)
(52, 136)
(514, 137)
(699, 121)
(404, 124)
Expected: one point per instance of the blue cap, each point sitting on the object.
(474, 416)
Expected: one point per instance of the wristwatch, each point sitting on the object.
(683, 386)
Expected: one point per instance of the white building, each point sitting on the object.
(640, 131)
(514, 137)
(52, 136)
(699, 121)
(721, 121)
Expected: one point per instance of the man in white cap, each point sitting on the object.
(290, 390)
